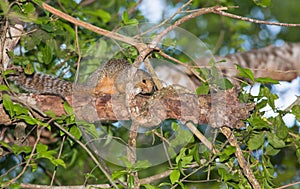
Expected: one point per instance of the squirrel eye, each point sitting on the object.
(144, 81)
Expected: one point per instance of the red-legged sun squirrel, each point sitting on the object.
(111, 78)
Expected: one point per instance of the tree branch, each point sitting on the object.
(239, 155)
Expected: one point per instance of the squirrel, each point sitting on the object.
(111, 78)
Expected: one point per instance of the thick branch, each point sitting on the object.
(280, 63)
(217, 109)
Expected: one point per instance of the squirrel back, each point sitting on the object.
(110, 78)
(40, 83)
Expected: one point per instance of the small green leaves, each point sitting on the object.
(75, 131)
(174, 176)
(296, 111)
(68, 109)
(4, 5)
(265, 92)
(47, 55)
(262, 3)
(226, 153)
(43, 152)
(245, 72)
(270, 150)
(8, 105)
(275, 141)
(127, 21)
(258, 123)
(266, 80)
(28, 8)
(203, 89)
(256, 141)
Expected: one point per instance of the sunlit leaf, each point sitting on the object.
(8, 104)
(245, 72)
(174, 176)
(266, 80)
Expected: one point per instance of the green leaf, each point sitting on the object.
(296, 111)
(127, 21)
(203, 89)
(28, 119)
(47, 54)
(8, 105)
(264, 91)
(34, 167)
(68, 109)
(224, 174)
(105, 16)
(19, 110)
(90, 175)
(142, 164)
(298, 155)
(275, 141)
(29, 69)
(256, 141)
(261, 104)
(4, 7)
(28, 8)
(271, 151)
(181, 184)
(195, 153)
(130, 181)
(41, 148)
(226, 153)
(39, 2)
(4, 88)
(281, 129)
(58, 162)
(75, 131)
(174, 176)
(245, 72)
(21, 149)
(229, 150)
(118, 174)
(262, 3)
(266, 80)
(258, 123)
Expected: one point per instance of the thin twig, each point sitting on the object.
(153, 178)
(58, 157)
(241, 160)
(79, 53)
(131, 152)
(151, 71)
(39, 131)
(201, 137)
(181, 63)
(132, 9)
(288, 185)
(89, 153)
(168, 19)
(164, 141)
(184, 19)
(91, 27)
(36, 186)
(220, 12)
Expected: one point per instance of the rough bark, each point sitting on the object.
(219, 109)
